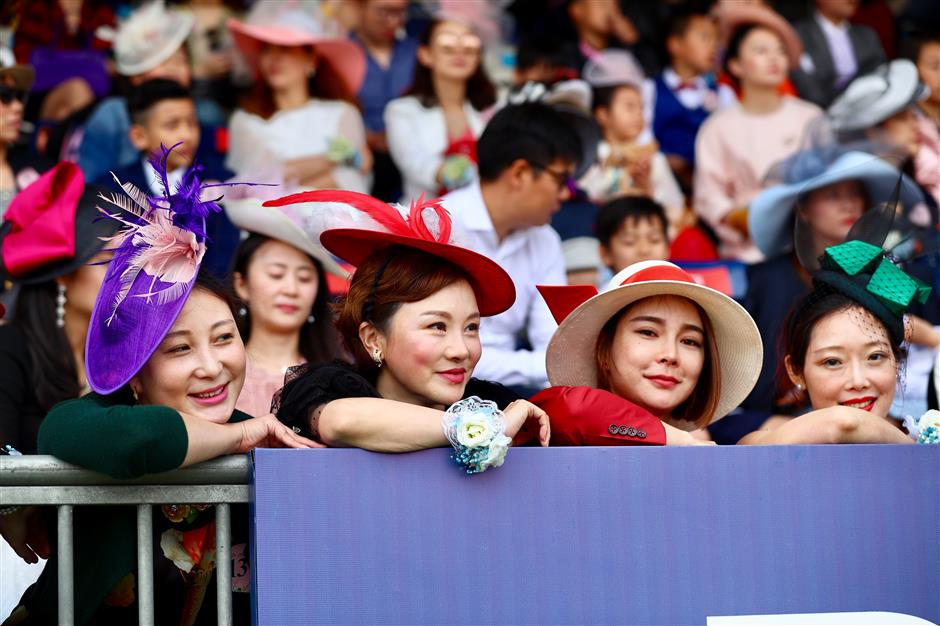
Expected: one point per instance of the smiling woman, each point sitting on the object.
(843, 349)
(651, 357)
(411, 321)
(166, 364)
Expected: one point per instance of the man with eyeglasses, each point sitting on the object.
(390, 66)
(527, 156)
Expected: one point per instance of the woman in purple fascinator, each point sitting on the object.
(166, 364)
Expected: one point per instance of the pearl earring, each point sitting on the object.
(60, 307)
(311, 319)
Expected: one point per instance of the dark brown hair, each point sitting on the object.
(701, 404)
(383, 282)
(327, 83)
(480, 91)
(319, 342)
(798, 328)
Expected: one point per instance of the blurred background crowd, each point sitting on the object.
(569, 139)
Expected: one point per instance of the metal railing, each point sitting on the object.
(45, 480)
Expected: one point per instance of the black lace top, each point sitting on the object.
(310, 386)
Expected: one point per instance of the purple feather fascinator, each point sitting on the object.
(157, 255)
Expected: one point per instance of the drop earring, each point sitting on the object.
(377, 357)
(60, 301)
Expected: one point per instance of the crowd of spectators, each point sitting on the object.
(568, 140)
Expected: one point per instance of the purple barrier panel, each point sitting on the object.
(595, 535)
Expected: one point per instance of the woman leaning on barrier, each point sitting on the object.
(47, 239)
(411, 321)
(647, 360)
(843, 349)
(166, 362)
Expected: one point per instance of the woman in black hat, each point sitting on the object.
(843, 350)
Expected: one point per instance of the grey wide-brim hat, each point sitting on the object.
(770, 217)
(874, 97)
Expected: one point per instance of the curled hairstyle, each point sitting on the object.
(480, 91)
(319, 342)
(376, 292)
(699, 407)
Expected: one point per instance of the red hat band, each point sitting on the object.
(659, 272)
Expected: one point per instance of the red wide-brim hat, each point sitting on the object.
(492, 285)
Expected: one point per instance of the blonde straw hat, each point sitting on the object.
(582, 312)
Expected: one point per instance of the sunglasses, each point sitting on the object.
(9, 94)
(451, 43)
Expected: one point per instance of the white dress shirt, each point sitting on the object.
(532, 256)
(840, 49)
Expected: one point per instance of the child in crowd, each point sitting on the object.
(735, 147)
(686, 91)
(148, 45)
(630, 230)
(163, 115)
(628, 163)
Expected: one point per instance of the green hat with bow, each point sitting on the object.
(864, 273)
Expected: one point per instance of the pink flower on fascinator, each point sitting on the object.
(169, 252)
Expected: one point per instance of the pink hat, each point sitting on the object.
(290, 23)
(731, 17)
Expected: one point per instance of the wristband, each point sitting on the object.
(476, 430)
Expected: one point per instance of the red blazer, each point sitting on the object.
(585, 416)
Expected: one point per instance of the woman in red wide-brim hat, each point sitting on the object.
(410, 320)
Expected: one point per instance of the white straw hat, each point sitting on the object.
(282, 224)
(148, 37)
(571, 356)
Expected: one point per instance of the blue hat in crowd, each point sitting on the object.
(771, 214)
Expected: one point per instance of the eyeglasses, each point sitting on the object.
(562, 179)
(9, 94)
(451, 43)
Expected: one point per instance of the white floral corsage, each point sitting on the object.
(926, 429)
(342, 152)
(476, 429)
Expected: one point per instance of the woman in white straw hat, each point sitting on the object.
(280, 275)
(299, 123)
(648, 359)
